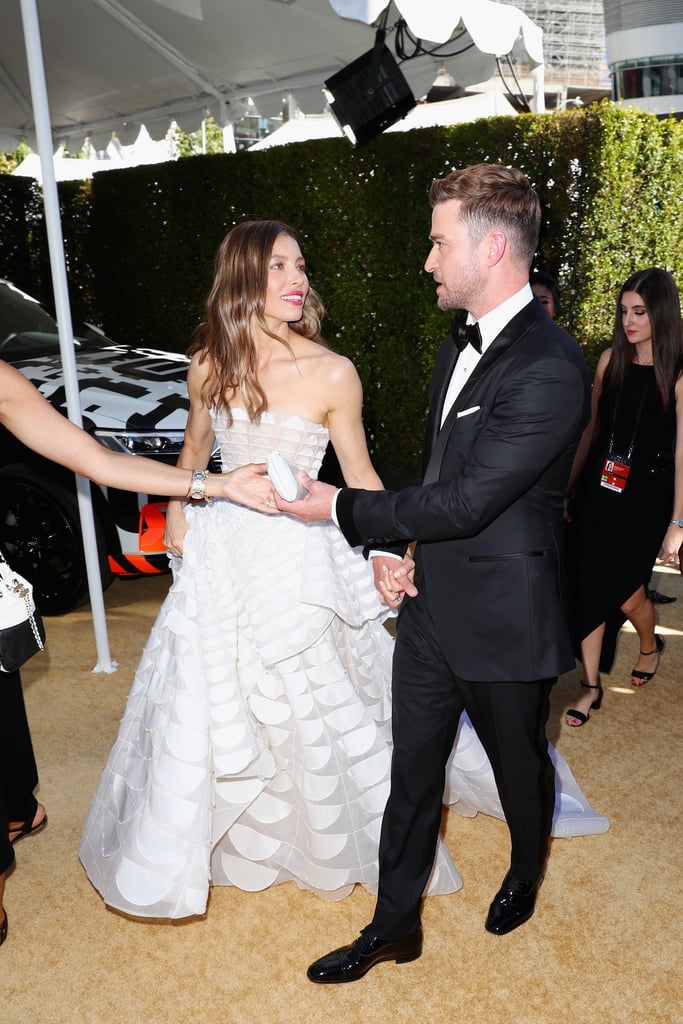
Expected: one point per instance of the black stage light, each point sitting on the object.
(369, 94)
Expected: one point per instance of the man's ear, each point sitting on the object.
(496, 245)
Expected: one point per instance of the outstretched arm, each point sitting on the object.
(31, 418)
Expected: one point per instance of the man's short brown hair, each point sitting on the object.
(494, 196)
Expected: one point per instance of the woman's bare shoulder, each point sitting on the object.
(199, 369)
(327, 362)
(200, 361)
(603, 361)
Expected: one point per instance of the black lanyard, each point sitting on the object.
(635, 428)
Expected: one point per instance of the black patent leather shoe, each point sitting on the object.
(512, 905)
(349, 963)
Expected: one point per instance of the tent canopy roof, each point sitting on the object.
(112, 65)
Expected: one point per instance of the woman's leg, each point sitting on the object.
(18, 772)
(591, 647)
(6, 861)
(3, 919)
(641, 612)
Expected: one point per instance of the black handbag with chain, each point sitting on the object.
(22, 633)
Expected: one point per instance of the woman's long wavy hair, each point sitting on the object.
(235, 307)
(657, 289)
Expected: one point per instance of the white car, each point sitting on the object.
(132, 399)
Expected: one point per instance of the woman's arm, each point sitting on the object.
(588, 434)
(31, 418)
(199, 435)
(673, 539)
(195, 453)
(345, 422)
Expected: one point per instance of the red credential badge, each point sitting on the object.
(615, 472)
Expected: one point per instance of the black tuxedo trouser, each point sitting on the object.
(510, 719)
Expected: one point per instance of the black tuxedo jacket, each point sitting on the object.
(488, 515)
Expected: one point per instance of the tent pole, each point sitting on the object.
(41, 115)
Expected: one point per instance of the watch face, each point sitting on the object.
(198, 490)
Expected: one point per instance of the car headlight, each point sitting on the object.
(166, 445)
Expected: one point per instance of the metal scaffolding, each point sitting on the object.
(573, 40)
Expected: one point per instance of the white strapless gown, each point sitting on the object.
(255, 745)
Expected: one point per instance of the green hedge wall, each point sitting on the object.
(20, 231)
(140, 242)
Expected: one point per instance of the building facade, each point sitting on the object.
(644, 41)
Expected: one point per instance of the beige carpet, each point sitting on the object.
(604, 946)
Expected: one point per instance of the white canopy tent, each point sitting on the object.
(112, 65)
(143, 151)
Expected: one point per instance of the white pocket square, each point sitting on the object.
(468, 412)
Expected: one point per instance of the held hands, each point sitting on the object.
(394, 578)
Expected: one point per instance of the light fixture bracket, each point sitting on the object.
(370, 94)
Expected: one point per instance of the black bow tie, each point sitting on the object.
(464, 334)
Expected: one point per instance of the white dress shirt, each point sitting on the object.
(490, 327)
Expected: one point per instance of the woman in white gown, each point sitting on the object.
(256, 742)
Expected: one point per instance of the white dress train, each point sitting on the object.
(255, 745)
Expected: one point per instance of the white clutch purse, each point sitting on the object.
(283, 477)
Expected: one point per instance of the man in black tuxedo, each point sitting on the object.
(486, 631)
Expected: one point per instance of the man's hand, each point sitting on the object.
(315, 506)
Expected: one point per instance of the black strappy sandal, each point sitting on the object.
(595, 706)
(645, 677)
(27, 828)
(3, 929)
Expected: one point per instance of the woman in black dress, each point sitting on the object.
(629, 468)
